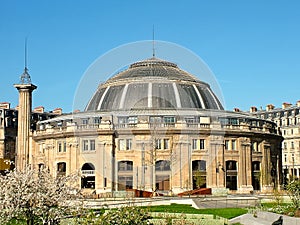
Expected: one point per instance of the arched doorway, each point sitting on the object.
(256, 175)
(199, 174)
(231, 175)
(88, 176)
(162, 175)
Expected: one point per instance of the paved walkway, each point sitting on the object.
(264, 218)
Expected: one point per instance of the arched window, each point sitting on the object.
(88, 176)
(199, 174)
(256, 175)
(162, 165)
(231, 165)
(61, 169)
(199, 165)
(88, 166)
(256, 166)
(125, 166)
(125, 175)
(231, 175)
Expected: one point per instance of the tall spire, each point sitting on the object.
(153, 43)
(25, 88)
(25, 77)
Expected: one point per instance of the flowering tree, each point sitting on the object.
(37, 197)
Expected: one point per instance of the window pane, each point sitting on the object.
(85, 145)
(158, 144)
(65, 147)
(226, 144)
(122, 144)
(169, 119)
(162, 165)
(128, 144)
(194, 144)
(59, 147)
(92, 144)
(132, 119)
(166, 143)
(202, 144)
(233, 144)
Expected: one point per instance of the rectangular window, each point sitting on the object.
(97, 120)
(192, 120)
(158, 143)
(59, 147)
(254, 146)
(233, 145)
(123, 120)
(226, 144)
(61, 169)
(85, 121)
(194, 144)
(133, 120)
(292, 145)
(122, 144)
(155, 119)
(92, 145)
(128, 144)
(166, 143)
(202, 144)
(85, 145)
(125, 144)
(169, 119)
(65, 147)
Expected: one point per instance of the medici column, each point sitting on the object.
(25, 88)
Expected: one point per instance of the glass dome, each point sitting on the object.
(153, 84)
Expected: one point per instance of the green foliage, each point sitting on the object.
(199, 178)
(120, 216)
(293, 189)
(227, 213)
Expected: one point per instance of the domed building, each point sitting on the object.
(155, 127)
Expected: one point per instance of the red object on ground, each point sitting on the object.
(200, 191)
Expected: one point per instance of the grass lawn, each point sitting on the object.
(227, 213)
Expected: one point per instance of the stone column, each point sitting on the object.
(245, 171)
(266, 168)
(24, 116)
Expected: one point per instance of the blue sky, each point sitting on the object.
(253, 47)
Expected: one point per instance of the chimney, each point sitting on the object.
(298, 103)
(286, 105)
(4, 105)
(39, 109)
(253, 109)
(269, 107)
(236, 110)
(57, 111)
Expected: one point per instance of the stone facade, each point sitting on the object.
(287, 119)
(154, 127)
(173, 157)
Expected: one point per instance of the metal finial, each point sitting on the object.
(153, 43)
(25, 56)
(25, 77)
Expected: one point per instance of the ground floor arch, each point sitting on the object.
(88, 176)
